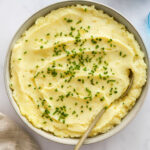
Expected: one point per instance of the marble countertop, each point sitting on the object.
(136, 136)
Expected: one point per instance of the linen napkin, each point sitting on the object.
(13, 137)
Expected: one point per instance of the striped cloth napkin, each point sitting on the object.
(14, 138)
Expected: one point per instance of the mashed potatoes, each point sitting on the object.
(71, 64)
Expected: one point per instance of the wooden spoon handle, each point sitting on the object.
(92, 125)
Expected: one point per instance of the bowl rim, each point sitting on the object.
(42, 12)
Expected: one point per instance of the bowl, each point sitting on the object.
(117, 17)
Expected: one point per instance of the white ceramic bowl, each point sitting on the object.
(117, 17)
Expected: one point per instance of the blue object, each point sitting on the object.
(149, 20)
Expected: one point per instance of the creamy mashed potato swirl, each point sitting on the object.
(72, 63)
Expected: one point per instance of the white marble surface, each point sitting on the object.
(136, 136)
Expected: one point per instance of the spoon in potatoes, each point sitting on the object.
(98, 116)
